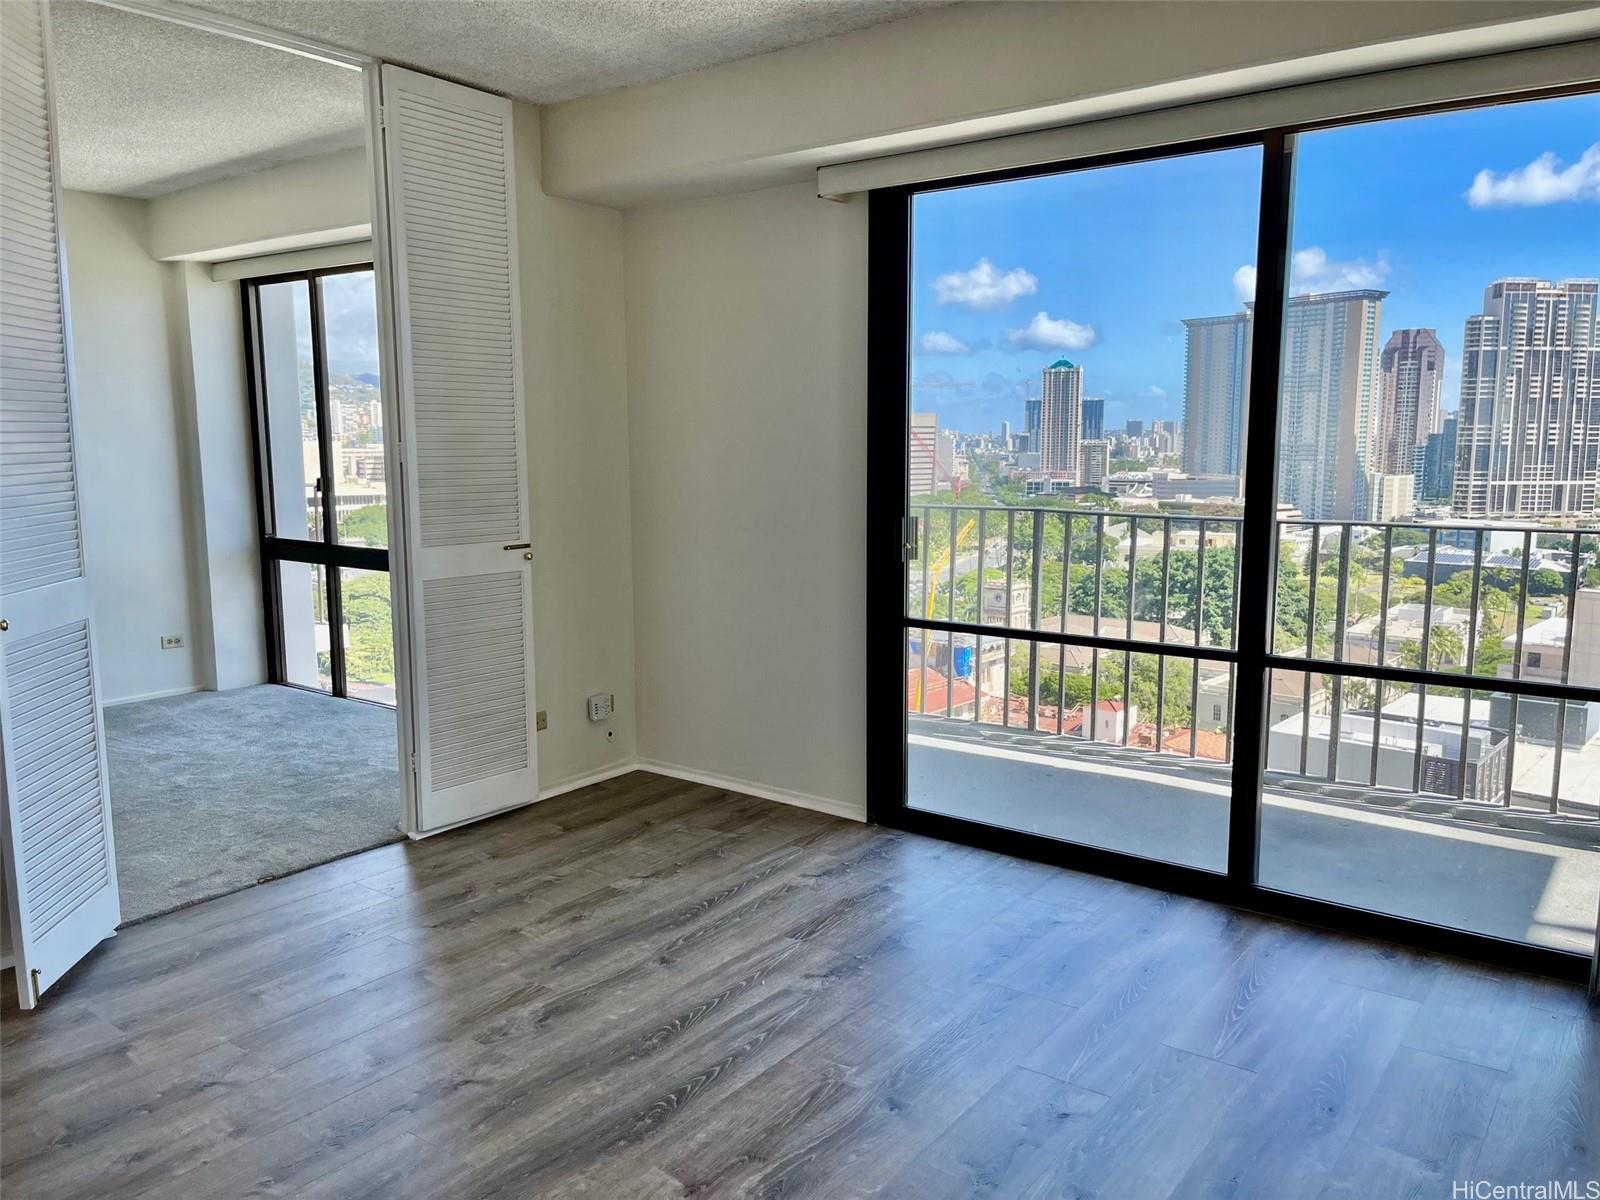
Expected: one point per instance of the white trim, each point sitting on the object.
(1118, 123)
(244, 31)
(615, 771)
(626, 767)
(822, 804)
(351, 253)
(157, 695)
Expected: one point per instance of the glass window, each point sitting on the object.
(293, 426)
(355, 408)
(1075, 415)
(1438, 464)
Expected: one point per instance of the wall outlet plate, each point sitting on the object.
(600, 706)
(172, 641)
(541, 721)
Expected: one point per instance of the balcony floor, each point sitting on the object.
(1523, 878)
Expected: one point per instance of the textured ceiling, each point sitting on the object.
(147, 107)
(548, 50)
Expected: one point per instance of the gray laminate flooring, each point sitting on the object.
(651, 988)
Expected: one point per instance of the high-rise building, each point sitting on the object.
(1005, 435)
(1134, 429)
(923, 453)
(1411, 377)
(1528, 439)
(1094, 418)
(1061, 417)
(1094, 462)
(1030, 410)
(1216, 382)
(1328, 416)
(1439, 464)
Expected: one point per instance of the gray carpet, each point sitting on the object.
(214, 791)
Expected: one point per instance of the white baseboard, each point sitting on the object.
(162, 695)
(821, 804)
(545, 793)
(589, 780)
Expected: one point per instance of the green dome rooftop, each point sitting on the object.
(1059, 363)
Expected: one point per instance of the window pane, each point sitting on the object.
(1075, 419)
(368, 634)
(1444, 816)
(1438, 473)
(303, 595)
(1090, 746)
(355, 408)
(291, 409)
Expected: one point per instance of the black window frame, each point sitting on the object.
(327, 552)
(889, 549)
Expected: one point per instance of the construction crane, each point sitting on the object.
(935, 570)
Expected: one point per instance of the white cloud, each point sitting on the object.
(1244, 282)
(1311, 270)
(1045, 332)
(937, 341)
(1543, 181)
(985, 286)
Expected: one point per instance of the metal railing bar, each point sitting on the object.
(1471, 659)
(1340, 609)
(1427, 627)
(1200, 585)
(1311, 637)
(1383, 637)
(1035, 604)
(1209, 653)
(1516, 665)
(1011, 558)
(1094, 696)
(1099, 568)
(1166, 578)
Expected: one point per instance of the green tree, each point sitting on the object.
(369, 645)
(366, 526)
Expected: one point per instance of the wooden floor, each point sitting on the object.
(654, 989)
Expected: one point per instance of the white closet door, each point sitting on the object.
(452, 223)
(61, 873)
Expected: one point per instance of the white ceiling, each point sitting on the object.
(549, 50)
(147, 107)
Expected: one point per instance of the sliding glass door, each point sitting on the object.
(1070, 641)
(1204, 481)
(316, 395)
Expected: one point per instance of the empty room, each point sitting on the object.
(800, 598)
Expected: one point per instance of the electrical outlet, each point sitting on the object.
(172, 641)
(600, 706)
(541, 721)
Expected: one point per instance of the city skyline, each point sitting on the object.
(1004, 278)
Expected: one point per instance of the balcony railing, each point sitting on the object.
(1438, 658)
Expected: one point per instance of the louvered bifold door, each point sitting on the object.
(452, 224)
(61, 875)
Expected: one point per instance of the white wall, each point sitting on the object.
(980, 70)
(137, 537)
(576, 379)
(208, 329)
(746, 334)
(315, 202)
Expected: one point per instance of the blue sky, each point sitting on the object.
(1102, 266)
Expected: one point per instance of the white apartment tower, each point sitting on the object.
(1061, 418)
(1328, 420)
(1216, 384)
(1528, 437)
